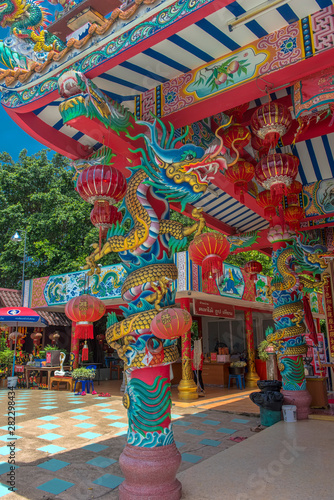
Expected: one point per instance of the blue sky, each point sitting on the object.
(12, 138)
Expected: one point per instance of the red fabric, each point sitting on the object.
(201, 364)
(309, 321)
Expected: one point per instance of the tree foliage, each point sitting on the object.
(240, 259)
(37, 195)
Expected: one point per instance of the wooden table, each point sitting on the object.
(40, 369)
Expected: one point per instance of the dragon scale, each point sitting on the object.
(290, 258)
(166, 173)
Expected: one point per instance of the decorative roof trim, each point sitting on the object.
(22, 75)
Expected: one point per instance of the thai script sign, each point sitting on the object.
(208, 308)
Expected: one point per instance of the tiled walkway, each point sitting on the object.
(68, 446)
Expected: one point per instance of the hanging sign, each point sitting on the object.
(329, 315)
(208, 308)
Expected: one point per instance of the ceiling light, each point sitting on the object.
(251, 14)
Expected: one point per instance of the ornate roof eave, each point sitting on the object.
(23, 76)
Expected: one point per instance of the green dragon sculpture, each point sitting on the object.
(27, 21)
(90, 102)
(291, 260)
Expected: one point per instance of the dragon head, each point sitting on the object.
(180, 174)
(11, 10)
(310, 256)
(72, 83)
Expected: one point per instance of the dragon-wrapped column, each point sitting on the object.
(288, 315)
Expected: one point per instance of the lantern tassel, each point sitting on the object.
(100, 238)
(84, 330)
(85, 352)
(212, 265)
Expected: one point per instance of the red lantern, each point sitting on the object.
(270, 122)
(293, 191)
(84, 310)
(209, 250)
(240, 174)
(101, 182)
(276, 172)
(237, 113)
(259, 146)
(265, 200)
(171, 323)
(236, 135)
(104, 216)
(293, 216)
(253, 267)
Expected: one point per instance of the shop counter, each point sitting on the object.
(212, 373)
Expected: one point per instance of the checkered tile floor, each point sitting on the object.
(73, 452)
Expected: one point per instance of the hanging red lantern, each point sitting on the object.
(293, 191)
(240, 174)
(265, 200)
(209, 250)
(237, 136)
(293, 216)
(253, 267)
(104, 216)
(270, 122)
(276, 172)
(84, 310)
(171, 323)
(101, 182)
(237, 113)
(259, 146)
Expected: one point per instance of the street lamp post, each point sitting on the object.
(17, 238)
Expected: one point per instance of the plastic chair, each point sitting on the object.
(240, 380)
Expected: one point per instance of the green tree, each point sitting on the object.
(37, 195)
(240, 259)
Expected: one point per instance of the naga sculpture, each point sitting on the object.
(146, 241)
(27, 20)
(293, 257)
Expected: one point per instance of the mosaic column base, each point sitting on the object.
(301, 399)
(150, 473)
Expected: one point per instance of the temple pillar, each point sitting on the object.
(187, 387)
(74, 346)
(329, 311)
(288, 315)
(150, 459)
(251, 376)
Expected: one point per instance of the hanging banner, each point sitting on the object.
(329, 316)
(208, 308)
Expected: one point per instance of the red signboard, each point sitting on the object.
(329, 315)
(208, 308)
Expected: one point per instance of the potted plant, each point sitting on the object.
(237, 367)
(83, 374)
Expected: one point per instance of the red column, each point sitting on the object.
(187, 387)
(251, 377)
(74, 346)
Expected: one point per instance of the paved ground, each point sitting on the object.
(67, 446)
(288, 461)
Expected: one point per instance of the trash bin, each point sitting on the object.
(269, 417)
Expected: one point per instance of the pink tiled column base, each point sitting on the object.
(150, 473)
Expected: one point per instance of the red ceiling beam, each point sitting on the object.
(48, 136)
(160, 36)
(283, 77)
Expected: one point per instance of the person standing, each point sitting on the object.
(197, 365)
